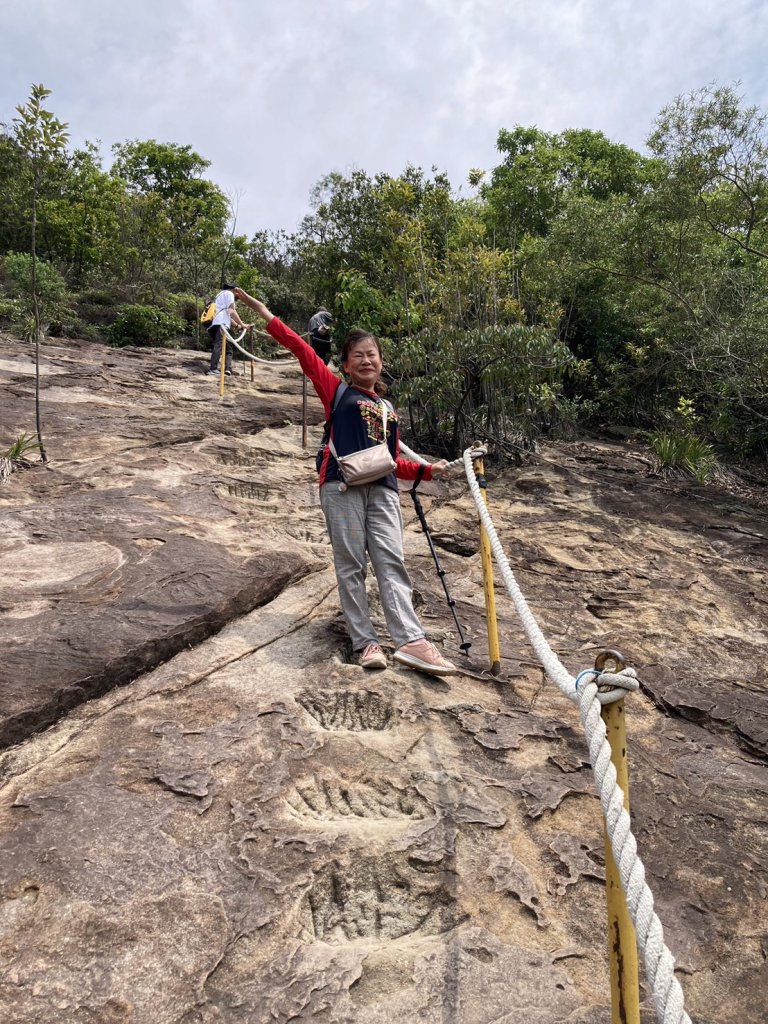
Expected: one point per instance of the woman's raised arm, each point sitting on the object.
(259, 307)
(325, 382)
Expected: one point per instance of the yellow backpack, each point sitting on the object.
(208, 313)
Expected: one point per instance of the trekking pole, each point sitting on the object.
(465, 644)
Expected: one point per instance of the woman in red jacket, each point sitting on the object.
(364, 520)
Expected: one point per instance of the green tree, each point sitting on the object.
(40, 136)
(539, 171)
(14, 195)
(416, 264)
(81, 216)
(717, 152)
(175, 221)
(342, 232)
(665, 286)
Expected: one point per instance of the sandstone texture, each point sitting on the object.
(209, 813)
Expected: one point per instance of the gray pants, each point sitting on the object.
(368, 521)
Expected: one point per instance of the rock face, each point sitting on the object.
(134, 545)
(227, 821)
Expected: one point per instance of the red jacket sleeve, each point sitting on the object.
(324, 382)
(407, 470)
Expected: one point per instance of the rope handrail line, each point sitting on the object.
(411, 454)
(248, 355)
(586, 692)
(659, 962)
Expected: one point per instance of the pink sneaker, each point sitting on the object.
(373, 657)
(425, 657)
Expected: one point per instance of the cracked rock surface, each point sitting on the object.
(208, 814)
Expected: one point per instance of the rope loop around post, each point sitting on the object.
(592, 672)
(611, 686)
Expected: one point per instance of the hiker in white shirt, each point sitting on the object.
(225, 316)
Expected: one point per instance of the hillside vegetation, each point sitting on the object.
(576, 284)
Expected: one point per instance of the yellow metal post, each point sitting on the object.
(622, 941)
(494, 652)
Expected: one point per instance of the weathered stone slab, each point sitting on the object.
(88, 616)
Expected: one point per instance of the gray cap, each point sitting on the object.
(321, 317)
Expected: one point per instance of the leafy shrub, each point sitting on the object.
(502, 383)
(10, 310)
(184, 305)
(92, 310)
(682, 450)
(144, 325)
(51, 286)
(52, 295)
(287, 301)
(97, 297)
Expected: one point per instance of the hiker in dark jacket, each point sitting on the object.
(320, 327)
(364, 520)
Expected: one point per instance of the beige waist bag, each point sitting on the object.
(367, 465)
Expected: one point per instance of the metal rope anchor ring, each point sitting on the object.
(610, 661)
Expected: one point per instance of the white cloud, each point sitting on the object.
(277, 93)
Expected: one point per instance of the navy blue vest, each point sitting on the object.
(357, 423)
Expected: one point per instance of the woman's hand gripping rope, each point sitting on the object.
(440, 468)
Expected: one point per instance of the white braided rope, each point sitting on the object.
(248, 355)
(659, 962)
(411, 454)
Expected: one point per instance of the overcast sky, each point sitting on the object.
(277, 93)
